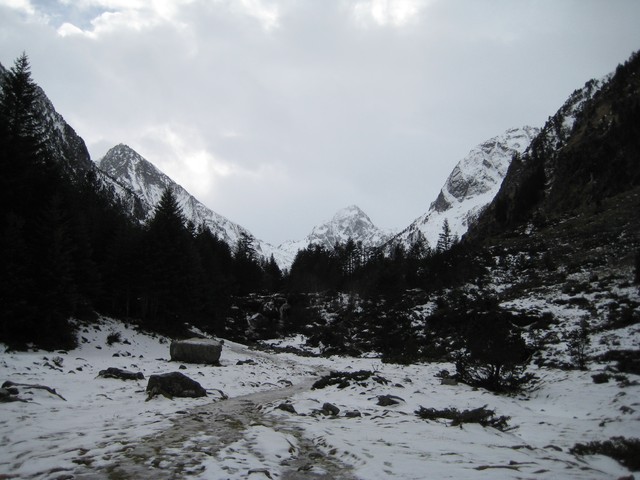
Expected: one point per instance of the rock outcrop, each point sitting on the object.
(174, 384)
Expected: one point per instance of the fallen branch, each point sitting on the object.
(52, 391)
(223, 396)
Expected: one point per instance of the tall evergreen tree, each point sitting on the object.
(247, 269)
(171, 266)
(18, 103)
(445, 239)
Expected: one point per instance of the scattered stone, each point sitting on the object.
(196, 350)
(174, 384)
(389, 400)
(287, 407)
(182, 367)
(260, 470)
(12, 390)
(113, 372)
(246, 362)
(448, 381)
(353, 414)
(6, 396)
(344, 379)
(330, 409)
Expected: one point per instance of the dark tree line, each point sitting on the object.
(68, 248)
(387, 271)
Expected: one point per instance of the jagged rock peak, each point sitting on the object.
(120, 155)
(132, 169)
(470, 187)
(350, 222)
(347, 223)
(351, 214)
(484, 167)
(123, 161)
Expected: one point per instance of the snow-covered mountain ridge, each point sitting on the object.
(470, 187)
(148, 183)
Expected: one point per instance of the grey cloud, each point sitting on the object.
(319, 111)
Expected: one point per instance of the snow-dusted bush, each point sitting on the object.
(624, 450)
(578, 345)
(482, 416)
(114, 337)
(495, 355)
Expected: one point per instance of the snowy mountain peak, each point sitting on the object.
(347, 223)
(132, 169)
(349, 212)
(121, 157)
(471, 186)
(484, 167)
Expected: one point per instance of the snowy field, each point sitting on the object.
(105, 428)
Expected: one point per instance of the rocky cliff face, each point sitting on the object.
(470, 187)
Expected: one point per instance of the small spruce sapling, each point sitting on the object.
(578, 345)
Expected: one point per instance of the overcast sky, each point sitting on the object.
(276, 114)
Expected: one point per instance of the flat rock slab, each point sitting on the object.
(196, 350)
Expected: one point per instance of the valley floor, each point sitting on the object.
(105, 428)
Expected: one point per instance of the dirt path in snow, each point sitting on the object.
(198, 436)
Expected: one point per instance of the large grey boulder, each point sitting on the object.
(196, 350)
(174, 384)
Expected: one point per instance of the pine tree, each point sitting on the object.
(445, 239)
(18, 102)
(170, 285)
(217, 283)
(272, 275)
(247, 270)
(21, 144)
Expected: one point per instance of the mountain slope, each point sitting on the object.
(348, 223)
(469, 188)
(148, 182)
(587, 152)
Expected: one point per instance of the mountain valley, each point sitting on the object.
(507, 344)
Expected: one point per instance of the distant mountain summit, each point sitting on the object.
(470, 187)
(148, 183)
(348, 223)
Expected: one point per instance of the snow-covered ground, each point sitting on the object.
(107, 429)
